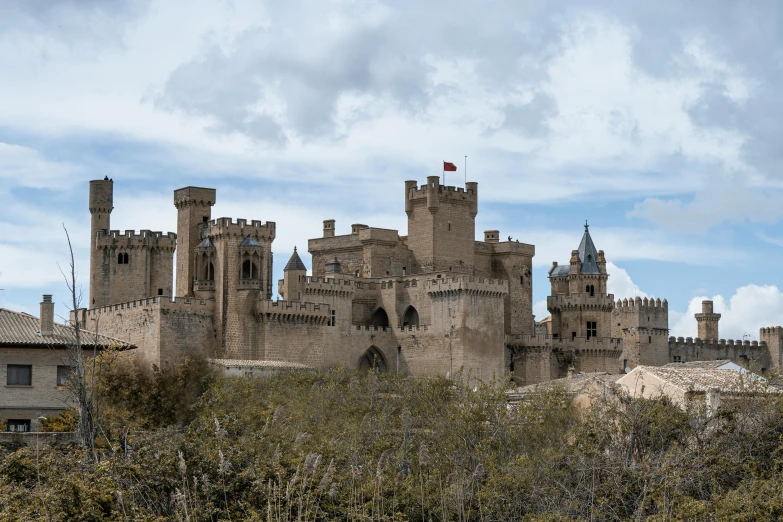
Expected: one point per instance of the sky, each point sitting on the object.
(659, 123)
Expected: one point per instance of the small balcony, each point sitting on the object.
(250, 284)
(203, 285)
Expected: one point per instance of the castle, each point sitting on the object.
(432, 302)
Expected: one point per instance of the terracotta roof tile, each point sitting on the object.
(21, 329)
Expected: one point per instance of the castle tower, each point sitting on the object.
(293, 275)
(441, 225)
(125, 266)
(242, 262)
(708, 322)
(194, 207)
(101, 203)
(578, 302)
(773, 336)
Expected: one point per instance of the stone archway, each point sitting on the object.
(379, 318)
(373, 359)
(410, 317)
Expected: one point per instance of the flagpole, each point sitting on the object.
(466, 171)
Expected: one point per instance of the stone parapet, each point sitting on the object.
(133, 239)
(639, 303)
(709, 342)
(466, 285)
(445, 192)
(292, 311)
(162, 302)
(240, 228)
(580, 301)
(580, 343)
(194, 196)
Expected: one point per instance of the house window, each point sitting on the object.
(63, 374)
(22, 425)
(20, 375)
(591, 329)
(590, 289)
(676, 358)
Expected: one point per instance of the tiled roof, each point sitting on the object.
(295, 263)
(702, 380)
(20, 329)
(572, 385)
(560, 270)
(588, 254)
(250, 241)
(206, 243)
(248, 363)
(698, 364)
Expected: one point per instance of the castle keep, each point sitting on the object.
(433, 301)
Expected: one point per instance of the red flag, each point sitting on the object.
(449, 167)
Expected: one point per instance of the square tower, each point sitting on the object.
(441, 225)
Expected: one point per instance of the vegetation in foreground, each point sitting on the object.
(184, 444)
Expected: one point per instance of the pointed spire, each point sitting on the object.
(295, 263)
(588, 253)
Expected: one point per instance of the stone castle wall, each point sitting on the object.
(752, 354)
(162, 329)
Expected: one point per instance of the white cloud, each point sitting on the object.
(540, 310)
(620, 284)
(750, 308)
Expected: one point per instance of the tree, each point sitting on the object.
(83, 397)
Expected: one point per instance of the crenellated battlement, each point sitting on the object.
(161, 302)
(293, 311)
(690, 341)
(444, 192)
(772, 330)
(400, 330)
(635, 304)
(134, 239)
(578, 343)
(467, 285)
(226, 226)
(582, 301)
(314, 285)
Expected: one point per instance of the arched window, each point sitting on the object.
(379, 318)
(119, 259)
(210, 272)
(411, 317)
(373, 359)
(247, 269)
(124, 259)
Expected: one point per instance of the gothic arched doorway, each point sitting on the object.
(373, 359)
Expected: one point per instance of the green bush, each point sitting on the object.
(185, 444)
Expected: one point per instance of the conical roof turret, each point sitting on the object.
(588, 253)
(295, 263)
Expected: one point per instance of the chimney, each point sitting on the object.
(328, 227)
(491, 236)
(47, 315)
